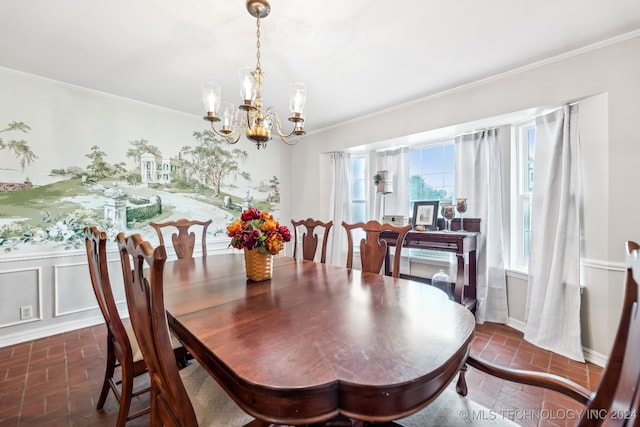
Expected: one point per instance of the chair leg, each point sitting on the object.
(182, 357)
(126, 389)
(461, 385)
(108, 374)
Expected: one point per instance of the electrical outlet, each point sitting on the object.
(26, 312)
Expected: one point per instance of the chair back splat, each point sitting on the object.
(122, 347)
(616, 400)
(310, 239)
(373, 250)
(183, 241)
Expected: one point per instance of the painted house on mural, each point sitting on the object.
(157, 169)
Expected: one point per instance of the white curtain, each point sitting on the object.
(395, 161)
(479, 179)
(339, 207)
(553, 303)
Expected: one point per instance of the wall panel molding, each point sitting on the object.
(82, 291)
(38, 284)
(601, 264)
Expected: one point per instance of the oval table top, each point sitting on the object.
(317, 340)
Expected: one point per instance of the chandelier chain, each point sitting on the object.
(258, 42)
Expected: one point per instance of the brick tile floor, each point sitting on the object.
(56, 381)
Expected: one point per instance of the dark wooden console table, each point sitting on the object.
(462, 243)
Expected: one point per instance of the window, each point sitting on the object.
(358, 176)
(523, 164)
(431, 173)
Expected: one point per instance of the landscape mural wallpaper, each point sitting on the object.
(57, 178)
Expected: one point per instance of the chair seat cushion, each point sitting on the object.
(212, 405)
(135, 348)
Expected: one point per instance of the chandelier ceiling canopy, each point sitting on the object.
(258, 123)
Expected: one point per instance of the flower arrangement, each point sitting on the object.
(258, 230)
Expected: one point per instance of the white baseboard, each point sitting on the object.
(591, 356)
(594, 357)
(516, 324)
(46, 331)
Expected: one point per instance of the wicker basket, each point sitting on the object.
(259, 266)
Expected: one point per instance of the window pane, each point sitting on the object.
(524, 170)
(359, 212)
(526, 230)
(357, 167)
(531, 144)
(433, 181)
(357, 190)
(449, 179)
(431, 171)
(448, 159)
(358, 187)
(432, 161)
(415, 162)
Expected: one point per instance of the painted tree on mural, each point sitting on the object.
(98, 168)
(210, 163)
(20, 148)
(274, 187)
(140, 147)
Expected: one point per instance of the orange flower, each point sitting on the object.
(269, 225)
(274, 243)
(235, 228)
(264, 215)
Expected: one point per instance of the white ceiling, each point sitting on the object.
(356, 56)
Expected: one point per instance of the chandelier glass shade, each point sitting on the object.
(251, 116)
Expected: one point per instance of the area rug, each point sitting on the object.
(448, 410)
(452, 410)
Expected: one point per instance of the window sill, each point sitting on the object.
(517, 273)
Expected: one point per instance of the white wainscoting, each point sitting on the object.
(20, 287)
(72, 290)
(58, 286)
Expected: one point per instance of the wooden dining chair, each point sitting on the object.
(187, 397)
(616, 400)
(373, 250)
(310, 238)
(183, 241)
(122, 346)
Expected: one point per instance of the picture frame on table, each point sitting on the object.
(425, 214)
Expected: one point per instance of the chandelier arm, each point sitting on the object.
(284, 137)
(274, 113)
(282, 134)
(293, 142)
(228, 137)
(230, 140)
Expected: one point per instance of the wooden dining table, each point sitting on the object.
(317, 341)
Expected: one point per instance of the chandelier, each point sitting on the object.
(250, 114)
